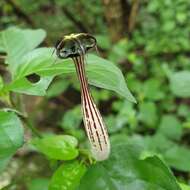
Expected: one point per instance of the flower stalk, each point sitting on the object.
(75, 46)
(93, 122)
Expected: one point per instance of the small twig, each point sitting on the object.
(31, 127)
(2, 56)
(78, 24)
(7, 187)
(28, 123)
(162, 54)
(133, 15)
(23, 116)
(20, 13)
(2, 68)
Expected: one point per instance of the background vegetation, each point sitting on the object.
(149, 42)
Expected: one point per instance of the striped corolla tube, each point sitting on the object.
(72, 46)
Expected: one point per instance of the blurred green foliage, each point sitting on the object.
(147, 137)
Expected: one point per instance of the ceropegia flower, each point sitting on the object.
(75, 46)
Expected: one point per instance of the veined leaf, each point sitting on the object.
(59, 147)
(101, 73)
(125, 170)
(179, 83)
(67, 176)
(11, 136)
(17, 42)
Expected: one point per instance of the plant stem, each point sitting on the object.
(31, 127)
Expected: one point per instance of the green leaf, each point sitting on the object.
(1, 83)
(29, 64)
(179, 83)
(178, 156)
(41, 62)
(126, 115)
(104, 74)
(148, 114)
(59, 147)
(152, 89)
(38, 61)
(97, 178)
(171, 127)
(171, 152)
(184, 186)
(11, 136)
(26, 87)
(103, 41)
(4, 161)
(183, 110)
(57, 87)
(38, 184)
(114, 124)
(101, 73)
(72, 118)
(67, 176)
(124, 170)
(17, 42)
(160, 145)
(119, 50)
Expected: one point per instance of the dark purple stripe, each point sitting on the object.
(84, 85)
(85, 92)
(95, 110)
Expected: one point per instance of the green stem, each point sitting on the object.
(31, 127)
